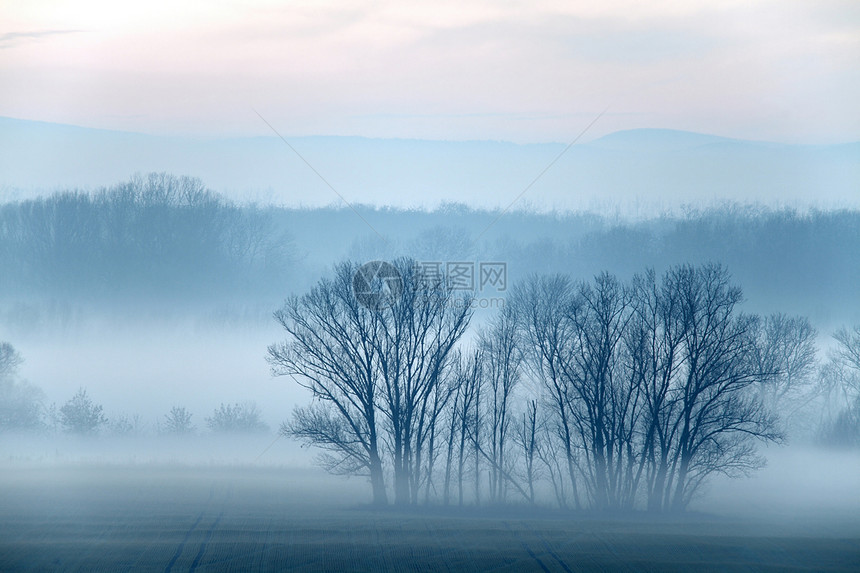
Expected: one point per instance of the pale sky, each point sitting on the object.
(536, 70)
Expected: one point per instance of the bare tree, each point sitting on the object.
(541, 306)
(786, 355)
(442, 397)
(526, 437)
(467, 379)
(604, 403)
(333, 350)
(178, 421)
(550, 452)
(718, 416)
(654, 339)
(417, 336)
(502, 364)
(378, 370)
(578, 341)
(839, 377)
(848, 346)
(653, 382)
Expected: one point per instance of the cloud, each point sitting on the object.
(521, 70)
(12, 39)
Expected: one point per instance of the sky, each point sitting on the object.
(520, 71)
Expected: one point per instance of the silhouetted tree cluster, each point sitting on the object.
(378, 372)
(155, 234)
(651, 386)
(616, 394)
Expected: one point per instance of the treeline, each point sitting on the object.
(170, 238)
(608, 393)
(802, 262)
(155, 236)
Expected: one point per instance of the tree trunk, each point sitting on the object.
(377, 479)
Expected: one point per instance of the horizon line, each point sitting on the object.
(200, 137)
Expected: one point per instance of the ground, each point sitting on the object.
(210, 518)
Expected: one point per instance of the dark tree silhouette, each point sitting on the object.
(541, 305)
(633, 391)
(333, 350)
(502, 358)
(378, 372)
(714, 416)
(647, 380)
(418, 333)
(462, 418)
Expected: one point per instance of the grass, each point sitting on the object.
(153, 518)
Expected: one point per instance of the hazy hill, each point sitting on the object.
(639, 173)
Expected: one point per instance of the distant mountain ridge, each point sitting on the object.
(651, 169)
(662, 139)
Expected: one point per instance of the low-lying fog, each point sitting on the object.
(802, 487)
(123, 350)
(144, 369)
(139, 371)
(802, 491)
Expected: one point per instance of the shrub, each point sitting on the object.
(178, 421)
(80, 415)
(237, 418)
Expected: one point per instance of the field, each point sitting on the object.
(199, 518)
